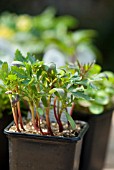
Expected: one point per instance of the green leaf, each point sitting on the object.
(39, 72)
(28, 69)
(46, 67)
(71, 121)
(80, 94)
(1, 62)
(93, 86)
(67, 20)
(83, 82)
(99, 77)
(4, 71)
(84, 103)
(30, 58)
(44, 101)
(25, 82)
(5, 67)
(109, 90)
(60, 91)
(40, 111)
(72, 87)
(96, 109)
(19, 72)
(19, 56)
(83, 35)
(109, 74)
(32, 83)
(12, 77)
(103, 100)
(95, 69)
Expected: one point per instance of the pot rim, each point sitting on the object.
(49, 138)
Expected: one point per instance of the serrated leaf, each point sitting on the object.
(96, 109)
(19, 72)
(71, 121)
(19, 56)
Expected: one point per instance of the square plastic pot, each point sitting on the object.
(35, 152)
(95, 142)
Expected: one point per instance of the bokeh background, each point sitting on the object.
(92, 14)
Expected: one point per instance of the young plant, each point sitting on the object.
(45, 87)
(103, 93)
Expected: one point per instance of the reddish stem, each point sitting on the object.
(15, 118)
(57, 116)
(36, 122)
(38, 125)
(72, 109)
(35, 126)
(60, 124)
(48, 122)
(19, 114)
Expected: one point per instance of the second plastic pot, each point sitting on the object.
(95, 142)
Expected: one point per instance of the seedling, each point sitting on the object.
(45, 88)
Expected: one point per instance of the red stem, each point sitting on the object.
(38, 125)
(48, 122)
(19, 114)
(35, 125)
(72, 109)
(15, 118)
(57, 116)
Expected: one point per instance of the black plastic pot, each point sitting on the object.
(35, 152)
(95, 141)
(4, 154)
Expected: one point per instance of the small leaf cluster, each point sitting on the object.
(103, 92)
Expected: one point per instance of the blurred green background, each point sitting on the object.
(91, 14)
